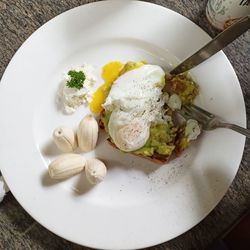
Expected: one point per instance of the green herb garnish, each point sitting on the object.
(77, 79)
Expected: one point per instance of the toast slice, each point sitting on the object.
(156, 158)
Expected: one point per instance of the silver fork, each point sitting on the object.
(209, 121)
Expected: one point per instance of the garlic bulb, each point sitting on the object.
(87, 133)
(65, 139)
(66, 166)
(95, 171)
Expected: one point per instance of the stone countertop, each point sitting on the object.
(18, 20)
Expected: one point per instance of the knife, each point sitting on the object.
(215, 45)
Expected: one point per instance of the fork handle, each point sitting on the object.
(236, 128)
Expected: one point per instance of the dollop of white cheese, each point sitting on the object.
(72, 98)
(135, 101)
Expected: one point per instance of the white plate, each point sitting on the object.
(139, 204)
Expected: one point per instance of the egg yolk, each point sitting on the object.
(110, 72)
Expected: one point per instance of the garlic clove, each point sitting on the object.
(65, 139)
(87, 133)
(66, 166)
(95, 171)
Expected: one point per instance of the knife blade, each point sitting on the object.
(215, 45)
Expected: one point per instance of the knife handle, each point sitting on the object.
(215, 45)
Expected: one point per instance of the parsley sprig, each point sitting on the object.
(77, 79)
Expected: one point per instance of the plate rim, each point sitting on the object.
(19, 50)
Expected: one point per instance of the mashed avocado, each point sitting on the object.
(161, 140)
(183, 86)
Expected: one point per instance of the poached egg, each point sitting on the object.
(135, 101)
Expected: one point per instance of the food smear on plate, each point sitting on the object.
(138, 111)
(77, 88)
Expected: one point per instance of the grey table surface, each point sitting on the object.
(18, 20)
